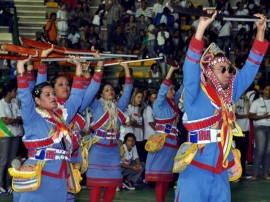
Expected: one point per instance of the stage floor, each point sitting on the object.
(242, 191)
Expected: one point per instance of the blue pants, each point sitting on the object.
(198, 185)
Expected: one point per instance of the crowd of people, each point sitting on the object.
(150, 29)
(125, 139)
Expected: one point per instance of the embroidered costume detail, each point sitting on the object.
(30, 76)
(22, 81)
(42, 69)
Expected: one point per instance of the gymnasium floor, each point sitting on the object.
(242, 191)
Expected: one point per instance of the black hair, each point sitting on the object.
(8, 87)
(54, 79)
(264, 84)
(102, 88)
(129, 135)
(152, 66)
(36, 92)
(52, 14)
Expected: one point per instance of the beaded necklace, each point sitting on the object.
(111, 107)
(57, 118)
(225, 95)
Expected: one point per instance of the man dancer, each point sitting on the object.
(211, 88)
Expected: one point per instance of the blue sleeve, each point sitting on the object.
(27, 103)
(91, 91)
(75, 99)
(178, 94)
(192, 72)
(42, 74)
(124, 100)
(162, 94)
(41, 78)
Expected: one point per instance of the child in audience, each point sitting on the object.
(132, 168)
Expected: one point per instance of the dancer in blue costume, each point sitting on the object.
(47, 137)
(104, 156)
(61, 86)
(159, 164)
(211, 88)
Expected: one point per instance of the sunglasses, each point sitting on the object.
(230, 70)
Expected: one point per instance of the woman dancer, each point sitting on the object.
(104, 156)
(159, 164)
(46, 132)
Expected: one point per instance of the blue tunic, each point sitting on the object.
(207, 180)
(104, 156)
(159, 164)
(55, 173)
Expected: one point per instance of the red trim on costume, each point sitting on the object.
(63, 170)
(78, 82)
(79, 120)
(191, 59)
(42, 69)
(87, 81)
(230, 164)
(171, 145)
(254, 61)
(259, 48)
(218, 169)
(97, 77)
(159, 177)
(105, 117)
(167, 82)
(104, 182)
(101, 121)
(30, 76)
(200, 124)
(128, 80)
(196, 45)
(121, 115)
(22, 82)
(34, 144)
(164, 121)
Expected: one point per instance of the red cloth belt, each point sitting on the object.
(165, 121)
(33, 144)
(203, 123)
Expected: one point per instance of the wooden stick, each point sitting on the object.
(64, 50)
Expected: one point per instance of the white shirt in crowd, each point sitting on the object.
(11, 110)
(158, 8)
(148, 117)
(242, 12)
(74, 38)
(223, 30)
(129, 156)
(260, 107)
(241, 108)
(160, 38)
(150, 33)
(246, 26)
(133, 113)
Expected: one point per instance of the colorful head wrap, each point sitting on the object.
(212, 56)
